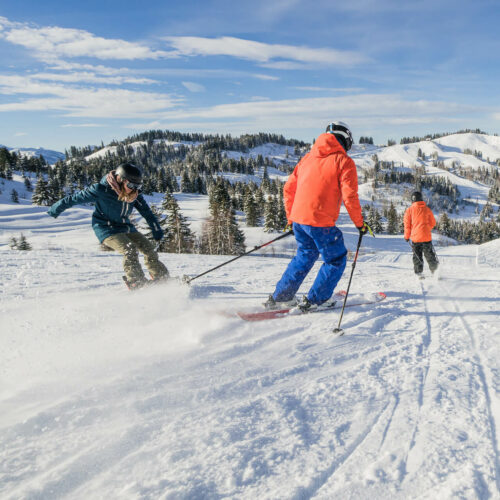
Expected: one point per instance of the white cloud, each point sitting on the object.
(329, 89)
(82, 125)
(194, 87)
(265, 77)
(84, 102)
(269, 55)
(52, 43)
(88, 77)
(313, 113)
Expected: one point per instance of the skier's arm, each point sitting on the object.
(432, 219)
(289, 190)
(407, 224)
(349, 189)
(86, 195)
(143, 208)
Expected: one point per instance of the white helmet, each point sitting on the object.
(340, 129)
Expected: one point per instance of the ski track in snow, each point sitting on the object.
(154, 394)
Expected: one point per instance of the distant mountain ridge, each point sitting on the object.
(50, 155)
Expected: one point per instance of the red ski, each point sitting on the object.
(353, 300)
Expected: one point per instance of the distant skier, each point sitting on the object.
(418, 222)
(324, 178)
(115, 197)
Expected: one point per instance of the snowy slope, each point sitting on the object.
(155, 394)
(450, 151)
(111, 150)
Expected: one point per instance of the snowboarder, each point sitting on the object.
(115, 196)
(324, 178)
(418, 222)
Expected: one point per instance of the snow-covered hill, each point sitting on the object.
(50, 155)
(156, 394)
(449, 157)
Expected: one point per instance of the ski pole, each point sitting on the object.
(338, 329)
(188, 280)
(415, 253)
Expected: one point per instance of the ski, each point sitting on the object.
(338, 298)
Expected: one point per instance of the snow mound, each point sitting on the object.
(487, 254)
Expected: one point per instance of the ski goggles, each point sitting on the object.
(133, 185)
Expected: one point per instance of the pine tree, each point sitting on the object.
(41, 195)
(186, 186)
(27, 184)
(250, 208)
(220, 233)
(444, 224)
(14, 196)
(392, 220)
(179, 238)
(272, 220)
(23, 243)
(282, 218)
(374, 220)
(260, 202)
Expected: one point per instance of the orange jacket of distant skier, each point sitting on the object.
(324, 178)
(419, 220)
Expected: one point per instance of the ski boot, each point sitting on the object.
(271, 305)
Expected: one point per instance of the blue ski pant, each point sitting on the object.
(311, 242)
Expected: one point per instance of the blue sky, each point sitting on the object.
(78, 73)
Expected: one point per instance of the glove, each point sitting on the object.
(363, 229)
(157, 234)
(288, 227)
(407, 240)
(52, 212)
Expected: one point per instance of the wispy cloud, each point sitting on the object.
(83, 125)
(265, 77)
(52, 43)
(271, 55)
(88, 77)
(363, 110)
(83, 102)
(329, 89)
(194, 87)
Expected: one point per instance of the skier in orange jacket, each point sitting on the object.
(419, 221)
(324, 178)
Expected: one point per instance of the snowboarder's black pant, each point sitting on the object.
(426, 249)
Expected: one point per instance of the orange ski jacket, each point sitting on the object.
(418, 221)
(324, 178)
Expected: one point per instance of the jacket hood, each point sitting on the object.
(325, 145)
(419, 203)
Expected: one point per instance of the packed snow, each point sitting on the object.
(165, 393)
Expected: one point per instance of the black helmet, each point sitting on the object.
(131, 173)
(416, 196)
(341, 131)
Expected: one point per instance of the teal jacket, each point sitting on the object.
(110, 216)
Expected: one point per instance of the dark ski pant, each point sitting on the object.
(129, 245)
(311, 243)
(426, 249)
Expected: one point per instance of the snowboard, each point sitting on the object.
(335, 303)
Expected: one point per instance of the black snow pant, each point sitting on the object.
(426, 249)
